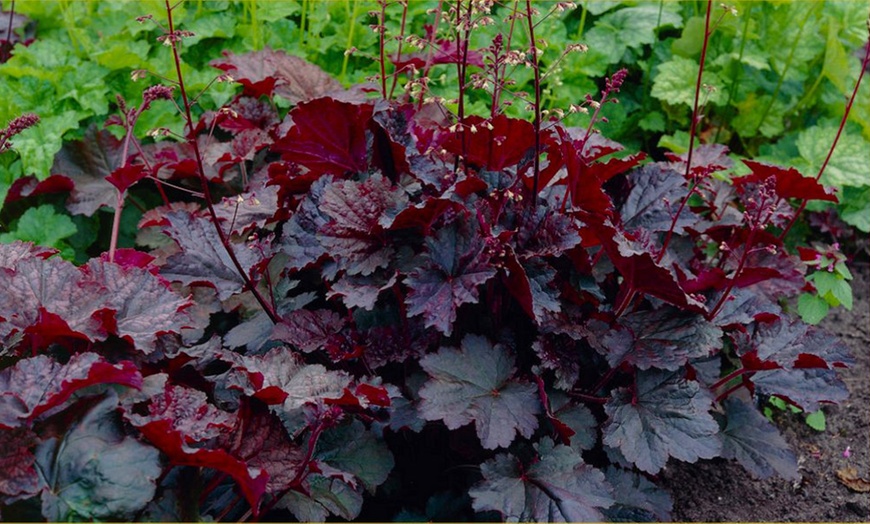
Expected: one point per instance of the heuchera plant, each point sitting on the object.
(371, 307)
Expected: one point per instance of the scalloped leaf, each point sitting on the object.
(556, 487)
(142, 304)
(18, 464)
(359, 213)
(475, 384)
(666, 416)
(664, 338)
(37, 384)
(655, 196)
(454, 265)
(755, 443)
(95, 472)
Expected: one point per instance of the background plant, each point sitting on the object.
(419, 307)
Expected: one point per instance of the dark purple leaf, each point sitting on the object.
(557, 487)
(531, 283)
(299, 240)
(548, 233)
(11, 253)
(654, 199)
(361, 292)
(793, 343)
(664, 416)
(493, 143)
(636, 498)
(706, 160)
(89, 162)
(249, 210)
(664, 338)
(126, 175)
(756, 443)
(743, 307)
(95, 472)
(561, 354)
(30, 186)
(142, 305)
(455, 264)
(355, 450)
(790, 183)
(359, 213)
(803, 387)
(203, 260)
(262, 442)
(309, 330)
(327, 136)
(37, 384)
(475, 384)
(268, 72)
(19, 479)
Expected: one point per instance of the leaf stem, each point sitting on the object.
(206, 191)
(533, 49)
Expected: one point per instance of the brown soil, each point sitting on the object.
(718, 490)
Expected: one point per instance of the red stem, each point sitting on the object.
(381, 30)
(692, 132)
(865, 63)
(206, 191)
(401, 41)
(533, 47)
(8, 54)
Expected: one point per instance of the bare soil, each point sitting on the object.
(719, 490)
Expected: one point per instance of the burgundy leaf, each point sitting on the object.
(706, 160)
(494, 143)
(262, 442)
(187, 413)
(30, 186)
(17, 250)
(203, 260)
(444, 51)
(455, 264)
(664, 338)
(790, 183)
(310, 330)
(37, 384)
(359, 213)
(547, 233)
(88, 163)
(19, 479)
(268, 72)
(361, 292)
(36, 291)
(531, 283)
(142, 305)
(327, 136)
(126, 175)
(300, 241)
(248, 211)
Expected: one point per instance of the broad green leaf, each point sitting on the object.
(630, 28)
(557, 487)
(848, 165)
(475, 384)
(816, 420)
(812, 308)
(833, 288)
(758, 115)
(836, 64)
(664, 416)
(676, 79)
(95, 472)
(43, 226)
(38, 144)
(855, 207)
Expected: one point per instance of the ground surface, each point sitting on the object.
(715, 491)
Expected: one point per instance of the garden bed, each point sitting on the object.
(717, 490)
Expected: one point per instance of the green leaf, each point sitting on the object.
(816, 420)
(96, 472)
(558, 486)
(749, 123)
(833, 288)
(41, 225)
(676, 79)
(653, 121)
(855, 207)
(812, 308)
(38, 144)
(848, 165)
(475, 384)
(836, 64)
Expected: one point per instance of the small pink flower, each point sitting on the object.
(847, 452)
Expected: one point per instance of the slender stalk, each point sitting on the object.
(7, 49)
(533, 49)
(732, 90)
(206, 191)
(693, 129)
(382, 29)
(351, 27)
(399, 50)
(865, 64)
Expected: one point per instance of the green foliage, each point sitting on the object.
(43, 226)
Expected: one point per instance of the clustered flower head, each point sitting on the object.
(17, 125)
